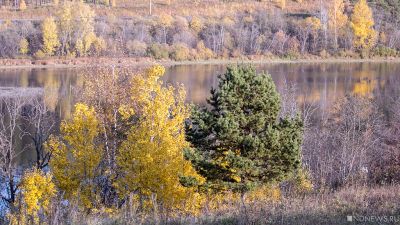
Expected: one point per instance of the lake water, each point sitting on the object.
(320, 84)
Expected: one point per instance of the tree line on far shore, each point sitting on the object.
(340, 29)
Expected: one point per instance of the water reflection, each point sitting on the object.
(57, 85)
(320, 83)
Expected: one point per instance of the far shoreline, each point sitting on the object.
(129, 62)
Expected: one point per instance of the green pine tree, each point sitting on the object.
(239, 142)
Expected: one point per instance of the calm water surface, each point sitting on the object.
(320, 83)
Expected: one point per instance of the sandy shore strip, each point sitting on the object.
(128, 62)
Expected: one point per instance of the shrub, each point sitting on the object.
(196, 24)
(236, 53)
(40, 54)
(293, 46)
(290, 55)
(33, 203)
(365, 53)
(22, 5)
(99, 45)
(186, 37)
(136, 48)
(158, 51)
(203, 52)
(383, 51)
(347, 54)
(299, 183)
(324, 54)
(23, 46)
(9, 43)
(180, 52)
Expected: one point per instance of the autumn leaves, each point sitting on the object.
(362, 24)
(70, 32)
(130, 141)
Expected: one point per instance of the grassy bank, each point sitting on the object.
(317, 209)
(366, 205)
(88, 62)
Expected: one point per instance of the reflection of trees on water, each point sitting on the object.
(12, 102)
(197, 79)
(316, 83)
(27, 107)
(57, 83)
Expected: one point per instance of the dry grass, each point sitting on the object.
(311, 209)
(317, 209)
(203, 8)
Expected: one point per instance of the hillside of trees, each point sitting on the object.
(199, 30)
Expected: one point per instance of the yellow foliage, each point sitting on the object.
(36, 192)
(99, 45)
(125, 111)
(364, 88)
(196, 24)
(23, 46)
(151, 158)
(236, 178)
(40, 54)
(203, 52)
(282, 4)
(313, 22)
(302, 182)
(50, 36)
(6, 24)
(90, 39)
(165, 20)
(111, 3)
(337, 19)
(22, 5)
(228, 21)
(66, 16)
(76, 156)
(180, 52)
(224, 201)
(265, 193)
(76, 21)
(362, 24)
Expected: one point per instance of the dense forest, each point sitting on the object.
(200, 30)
